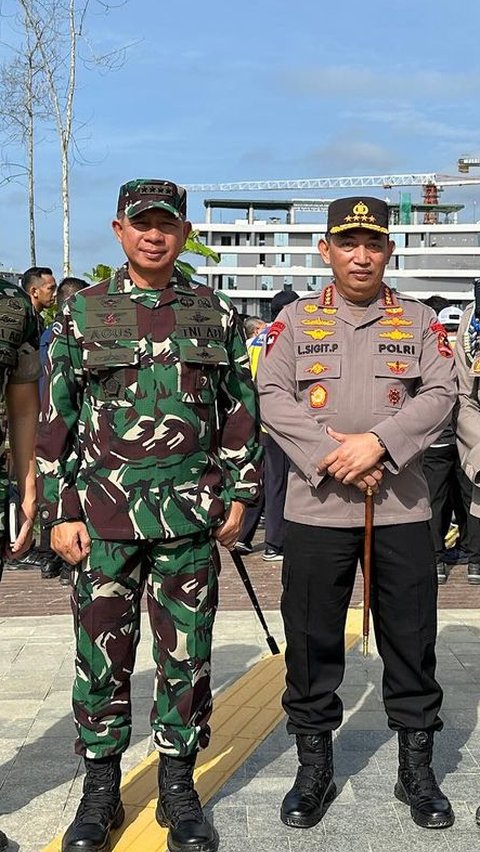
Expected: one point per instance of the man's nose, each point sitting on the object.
(361, 254)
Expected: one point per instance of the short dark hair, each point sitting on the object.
(68, 287)
(437, 303)
(33, 275)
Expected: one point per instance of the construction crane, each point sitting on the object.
(425, 179)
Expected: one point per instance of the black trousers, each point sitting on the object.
(276, 474)
(450, 491)
(318, 576)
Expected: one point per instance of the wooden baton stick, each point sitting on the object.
(367, 566)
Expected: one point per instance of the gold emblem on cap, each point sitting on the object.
(360, 209)
(319, 333)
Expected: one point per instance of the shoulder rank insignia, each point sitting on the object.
(396, 335)
(317, 368)
(310, 309)
(319, 333)
(318, 396)
(398, 368)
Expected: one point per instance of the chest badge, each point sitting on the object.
(319, 333)
(394, 396)
(396, 335)
(398, 368)
(318, 396)
(396, 322)
(317, 369)
(319, 322)
(310, 309)
(396, 311)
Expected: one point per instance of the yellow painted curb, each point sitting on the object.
(245, 713)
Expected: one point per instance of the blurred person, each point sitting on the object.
(276, 463)
(450, 490)
(252, 327)
(19, 405)
(39, 283)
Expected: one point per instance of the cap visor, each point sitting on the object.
(141, 206)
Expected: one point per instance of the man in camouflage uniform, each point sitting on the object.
(148, 448)
(19, 373)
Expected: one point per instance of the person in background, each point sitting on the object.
(449, 487)
(355, 382)
(276, 463)
(19, 406)
(49, 563)
(252, 327)
(40, 285)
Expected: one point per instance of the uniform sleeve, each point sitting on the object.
(301, 437)
(57, 445)
(411, 430)
(28, 362)
(468, 411)
(239, 419)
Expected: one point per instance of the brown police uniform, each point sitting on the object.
(387, 368)
(467, 357)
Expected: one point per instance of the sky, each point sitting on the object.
(264, 89)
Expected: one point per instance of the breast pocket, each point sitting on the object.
(318, 382)
(199, 370)
(395, 381)
(112, 375)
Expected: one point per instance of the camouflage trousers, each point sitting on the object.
(181, 576)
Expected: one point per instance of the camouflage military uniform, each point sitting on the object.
(19, 363)
(148, 432)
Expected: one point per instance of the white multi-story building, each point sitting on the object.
(269, 248)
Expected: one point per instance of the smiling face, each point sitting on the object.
(152, 242)
(358, 258)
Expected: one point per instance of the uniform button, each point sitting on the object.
(45, 514)
(253, 490)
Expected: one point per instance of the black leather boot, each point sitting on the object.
(179, 808)
(100, 808)
(416, 785)
(313, 789)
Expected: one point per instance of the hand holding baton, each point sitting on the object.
(367, 566)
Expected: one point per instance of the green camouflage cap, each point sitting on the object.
(142, 194)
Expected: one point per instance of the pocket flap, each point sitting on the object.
(106, 357)
(396, 367)
(318, 367)
(205, 354)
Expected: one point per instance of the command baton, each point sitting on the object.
(367, 566)
(239, 565)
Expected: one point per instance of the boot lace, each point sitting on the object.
(100, 797)
(181, 803)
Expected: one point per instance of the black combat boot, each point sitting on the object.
(313, 789)
(179, 808)
(3, 841)
(100, 808)
(416, 785)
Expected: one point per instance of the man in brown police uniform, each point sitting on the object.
(354, 384)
